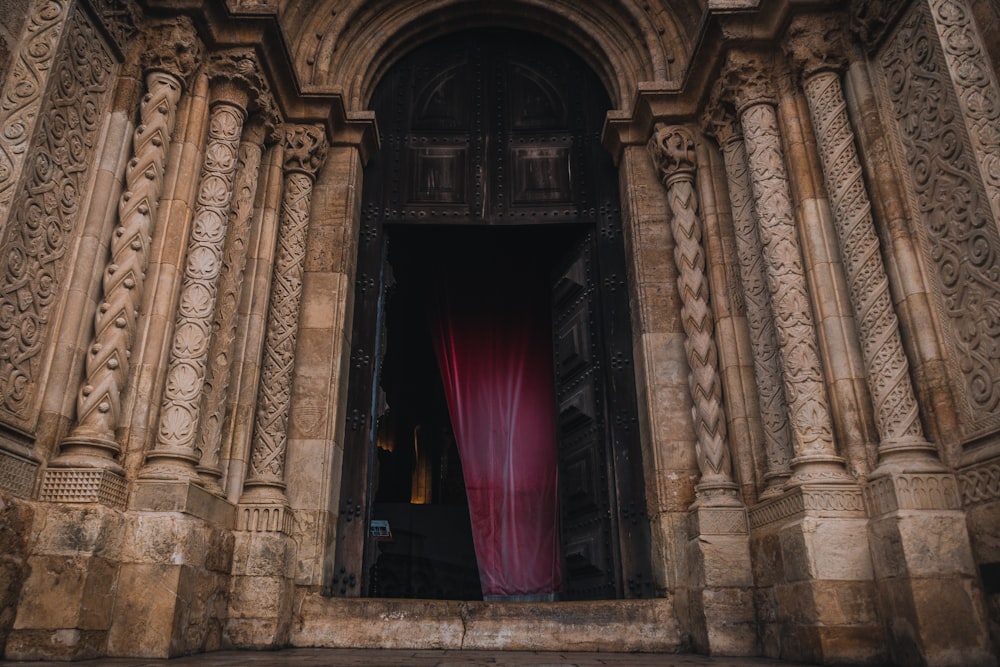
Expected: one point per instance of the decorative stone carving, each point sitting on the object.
(809, 414)
(960, 235)
(84, 485)
(980, 483)
(119, 18)
(234, 260)
(911, 491)
(46, 209)
(264, 518)
(17, 474)
(835, 500)
(871, 19)
(305, 149)
(236, 82)
(22, 93)
(173, 53)
(763, 338)
(673, 152)
(813, 44)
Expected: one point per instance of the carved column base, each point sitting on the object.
(717, 493)
(17, 472)
(808, 546)
(262, 585)
(182, 496)
(84, 485)
(924, 570)
(722, 617)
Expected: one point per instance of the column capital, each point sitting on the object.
(719, 118)
(172, 46)
(237, 78)
(746, 79)
(305, 148)
(815, 43)
(673, 151)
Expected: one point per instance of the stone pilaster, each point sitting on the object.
(717, 547)
(763, 338)
(234, 261)
(809, 541)
(174, 456)
(265, 550)
(87, 462)
(910, 493)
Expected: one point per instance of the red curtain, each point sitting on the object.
(490, 328)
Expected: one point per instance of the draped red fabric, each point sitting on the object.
(491, 337)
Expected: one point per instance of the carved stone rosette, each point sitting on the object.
(814, 48)
(235, 83)
(673, 152)
(234, 260)
(173, 54)
(763, 338)
(754, 96)
(304, 151)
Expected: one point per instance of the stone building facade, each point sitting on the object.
(808, 203)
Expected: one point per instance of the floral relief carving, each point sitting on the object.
(107, 361)
(763, 338)
(22, 94)
(119, 18)
(46, 208)
(673, 152)
(305, 149)
(960, 236)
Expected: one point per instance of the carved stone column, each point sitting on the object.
(235, 82)
(753, 93)
(673, 152)
(88, 454)
(910, 495)
(718, 552)
(234, 260)
(304, 150)
(763, 338)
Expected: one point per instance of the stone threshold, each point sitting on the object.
(601, 625)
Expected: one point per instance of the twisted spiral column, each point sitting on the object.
(763, 337)
(755, 99)
(673, 151)
(817, 55)
(173, 56)
(304, 151)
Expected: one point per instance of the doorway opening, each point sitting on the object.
(490, 148)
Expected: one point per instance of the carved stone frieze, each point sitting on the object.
(897, 415)
(980, 483)
(17, 474)
(763, 337)
(45, 211)
(673, 152)
(960, 237)
(912, 491)
(826, 500)
(23, 89)
(107, 361)
(809, 412)
(264, 518)
(305, 149)
(717, 521)
(84, 485)
(872, 19)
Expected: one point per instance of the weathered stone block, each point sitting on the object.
(64, 644)
(146, 610)
(262, 554)
(766, 559)
(923, 543)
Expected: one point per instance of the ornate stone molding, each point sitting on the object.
(31, 67)
(17, 474)
(84, 485)
(120, 19)
(897, 414)
(809, 412)
(673, 152)
(980, 483)
(46, 208)
(912, 491)
(720, 122)
(717, 521)
(746, 80)
(234, 260)
(264, 518)
(169, 61)
(823, 501)
(304, 151)
(872, 19)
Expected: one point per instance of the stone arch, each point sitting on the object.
(624, 41)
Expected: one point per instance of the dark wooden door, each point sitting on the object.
(494, 128)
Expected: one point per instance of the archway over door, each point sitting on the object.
(486, 131)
